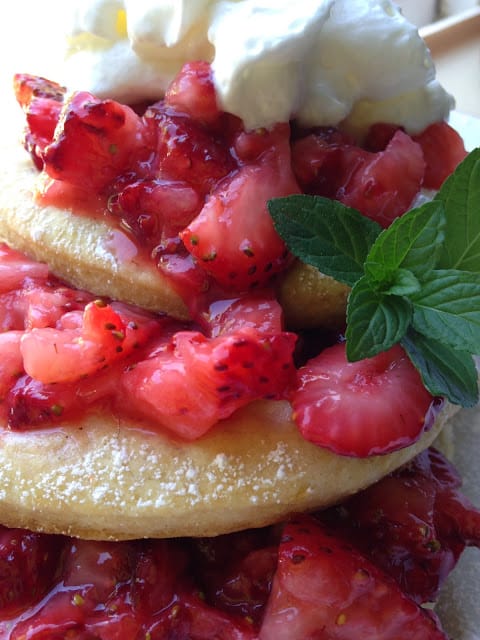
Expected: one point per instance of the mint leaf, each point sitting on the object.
(447, 309)
(445, 371)
(325, 234)
(417, 282)
(403, 283)
(413, 242)
(375, 322)
(460, 194)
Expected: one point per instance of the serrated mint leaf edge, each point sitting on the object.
(375, 322)
(457, 380)
(317, 229)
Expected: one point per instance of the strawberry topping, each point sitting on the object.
(191, 185)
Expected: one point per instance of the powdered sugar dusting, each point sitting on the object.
(122, 473)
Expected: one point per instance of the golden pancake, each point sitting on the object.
(105, 479)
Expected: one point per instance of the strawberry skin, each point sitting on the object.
(414, 524)
(233, 238)
(192, 382)
(361, 408)
(98, 141)
(324, 588)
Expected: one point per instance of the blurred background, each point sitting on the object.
(424, 12)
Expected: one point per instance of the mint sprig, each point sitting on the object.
(416, 283)
(326, 234)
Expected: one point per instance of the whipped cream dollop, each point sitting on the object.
(322, 62)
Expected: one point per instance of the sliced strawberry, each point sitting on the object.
(414, 524)
(194, 381)
(193, 92)
(361, 408)
(98, 141)
(233, 238)
(443, 149)
(29, 563)
(324, 588)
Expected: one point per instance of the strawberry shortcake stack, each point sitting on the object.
(239, 302)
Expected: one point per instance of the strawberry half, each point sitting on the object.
(361, 408)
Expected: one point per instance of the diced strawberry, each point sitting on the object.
(187, 277)
(260, 311)
(193, 382)
(192, 92)
(28, 566)
(32, 403)
(379, 136)
(381, 185)
(134, 590)
(98, 567)
(98, 141)
(91, 601)
(47, 306)
(15, 268)
(324, 588)
(443, 149)
(42, 118)
(414, 524)
(28, 87)
(361, 408)
(233, 237)
(11, 362)
(235, 571)
(64, 354)
(187, 151)
(324, 162)
(387, 184)
(155, 210)
(41, 100)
